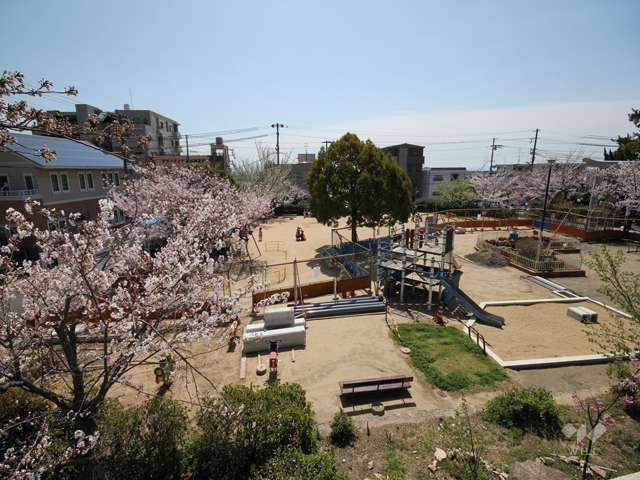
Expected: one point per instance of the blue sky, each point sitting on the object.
(416, 71)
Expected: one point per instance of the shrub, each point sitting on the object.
(22, 415)
(343, 430)
(291, 463)
(16, 408)
(526, 410)
(143, 442)
(245, 427)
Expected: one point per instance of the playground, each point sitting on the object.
(344, 332)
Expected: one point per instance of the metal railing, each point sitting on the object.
(544, 265)
(19, 193)
(479, 338)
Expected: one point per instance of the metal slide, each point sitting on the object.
(480, 315)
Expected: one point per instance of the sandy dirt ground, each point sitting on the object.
(353, 348)
(499, 283)
(589, 285)
(543, 330)
(279, 245)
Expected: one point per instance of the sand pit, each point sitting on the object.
(543, 330)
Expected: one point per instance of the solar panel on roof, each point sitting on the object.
(69, 153)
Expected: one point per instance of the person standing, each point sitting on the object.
(260, 234)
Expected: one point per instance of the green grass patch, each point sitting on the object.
(447, 357)
(394, 468)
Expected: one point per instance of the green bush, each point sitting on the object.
(142, 442)
(526, 410)
(16, 409)
(245, 427)
(22, 415)
(343, 430)
(292, 464)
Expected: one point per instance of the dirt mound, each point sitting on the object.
(488, 258)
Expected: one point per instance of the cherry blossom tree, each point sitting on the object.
(619, 186)
(94, 285)
(266, 178)
(493, 188)
(519, 188)
(96, 303)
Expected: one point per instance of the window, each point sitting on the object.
(4, 183)
(118, 216)
(55, 185)
(86, 181)
(29, 184)
(59, 182)
(454, 176)
(110, 178)
(438, 178)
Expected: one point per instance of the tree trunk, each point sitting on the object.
(585, 466)
(354, 231)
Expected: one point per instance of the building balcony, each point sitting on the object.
(19, 194)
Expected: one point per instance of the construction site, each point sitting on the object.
(327, 311)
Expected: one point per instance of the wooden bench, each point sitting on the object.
(368, 385)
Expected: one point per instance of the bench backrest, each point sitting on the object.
(404, 379)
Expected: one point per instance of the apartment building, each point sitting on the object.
(74, 181)
(162, 131)
(411, 159)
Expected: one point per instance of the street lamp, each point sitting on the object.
(544, 207)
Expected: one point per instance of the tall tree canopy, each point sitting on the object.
(356, 179)
(629, 145)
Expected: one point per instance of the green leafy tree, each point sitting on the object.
(629, 145)
(457, 192)
(356, 179)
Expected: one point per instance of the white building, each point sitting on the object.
(432, 177)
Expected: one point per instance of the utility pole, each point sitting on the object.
(533, 152)
(544, 209)
(494, 147)
(186, 138)
(277, 126)
(326, 144)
